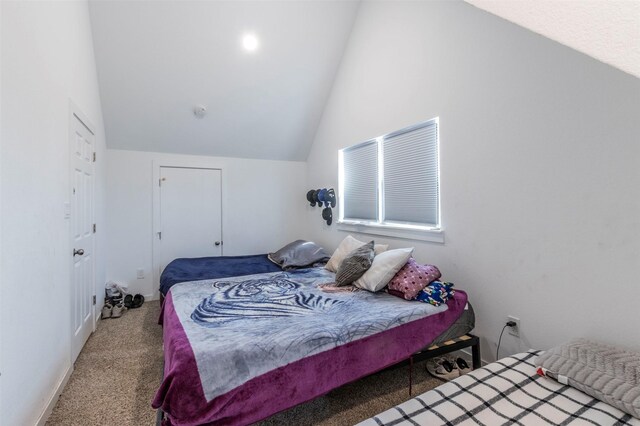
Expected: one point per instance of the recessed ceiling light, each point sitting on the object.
(250, 42)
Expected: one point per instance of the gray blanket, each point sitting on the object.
(242, 327)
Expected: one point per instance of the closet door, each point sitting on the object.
(190, 214)
(82, 235)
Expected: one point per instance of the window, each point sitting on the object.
(392, 181)
(360, 173)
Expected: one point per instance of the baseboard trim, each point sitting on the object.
(466, 352)
(54, 397)
(151, 297)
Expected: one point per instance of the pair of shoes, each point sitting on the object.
(462, 365)
(442, 368)
(116, 311)
(133, 302)
(447, 368)
(113, 301)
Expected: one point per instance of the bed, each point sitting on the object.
(239, 349)
(298, 254)
(508, 391)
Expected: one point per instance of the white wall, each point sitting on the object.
(540, 165)
(606, 30)
(263, 205)
(47, 59)
(1, 253)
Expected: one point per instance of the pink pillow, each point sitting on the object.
(412, 278)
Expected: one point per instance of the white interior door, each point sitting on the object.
(82, 234)
(190, 213)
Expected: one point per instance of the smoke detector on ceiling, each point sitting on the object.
(200, 111)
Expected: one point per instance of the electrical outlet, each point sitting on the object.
(514, 331)
(140, 273)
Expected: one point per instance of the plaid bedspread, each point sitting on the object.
(508, 391)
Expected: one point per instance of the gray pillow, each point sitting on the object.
(298, 254)
(608, 373)
(355, 264)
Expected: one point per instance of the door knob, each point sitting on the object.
(217, 243)
(79, 252)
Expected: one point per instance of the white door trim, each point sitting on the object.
(194, 163)
(76, 113)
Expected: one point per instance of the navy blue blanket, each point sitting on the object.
(209, 268)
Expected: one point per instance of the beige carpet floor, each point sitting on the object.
(119, 369)
(116, 374)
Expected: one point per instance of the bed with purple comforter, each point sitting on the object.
(240, 349)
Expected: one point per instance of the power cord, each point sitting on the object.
(508, 324)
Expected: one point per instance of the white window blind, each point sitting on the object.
(360, 182)
(410, 174)
(393, 180)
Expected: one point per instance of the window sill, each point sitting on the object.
(429, 235)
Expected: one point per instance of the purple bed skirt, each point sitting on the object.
(182, 399)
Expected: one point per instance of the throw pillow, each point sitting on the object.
(355, 264)
(298, 254)
(384, 267)
(608, 373)
(436, 293)
(412, 278)
(348, 245)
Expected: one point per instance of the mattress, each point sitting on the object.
(208, 268)
(463, 325)
(508, 391)
(240, 349)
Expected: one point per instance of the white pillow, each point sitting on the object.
(384, 267)
(348, 245)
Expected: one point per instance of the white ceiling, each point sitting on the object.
(158, 59)
(607, 30)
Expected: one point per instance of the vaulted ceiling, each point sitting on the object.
(157, 60)
(606, 30)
